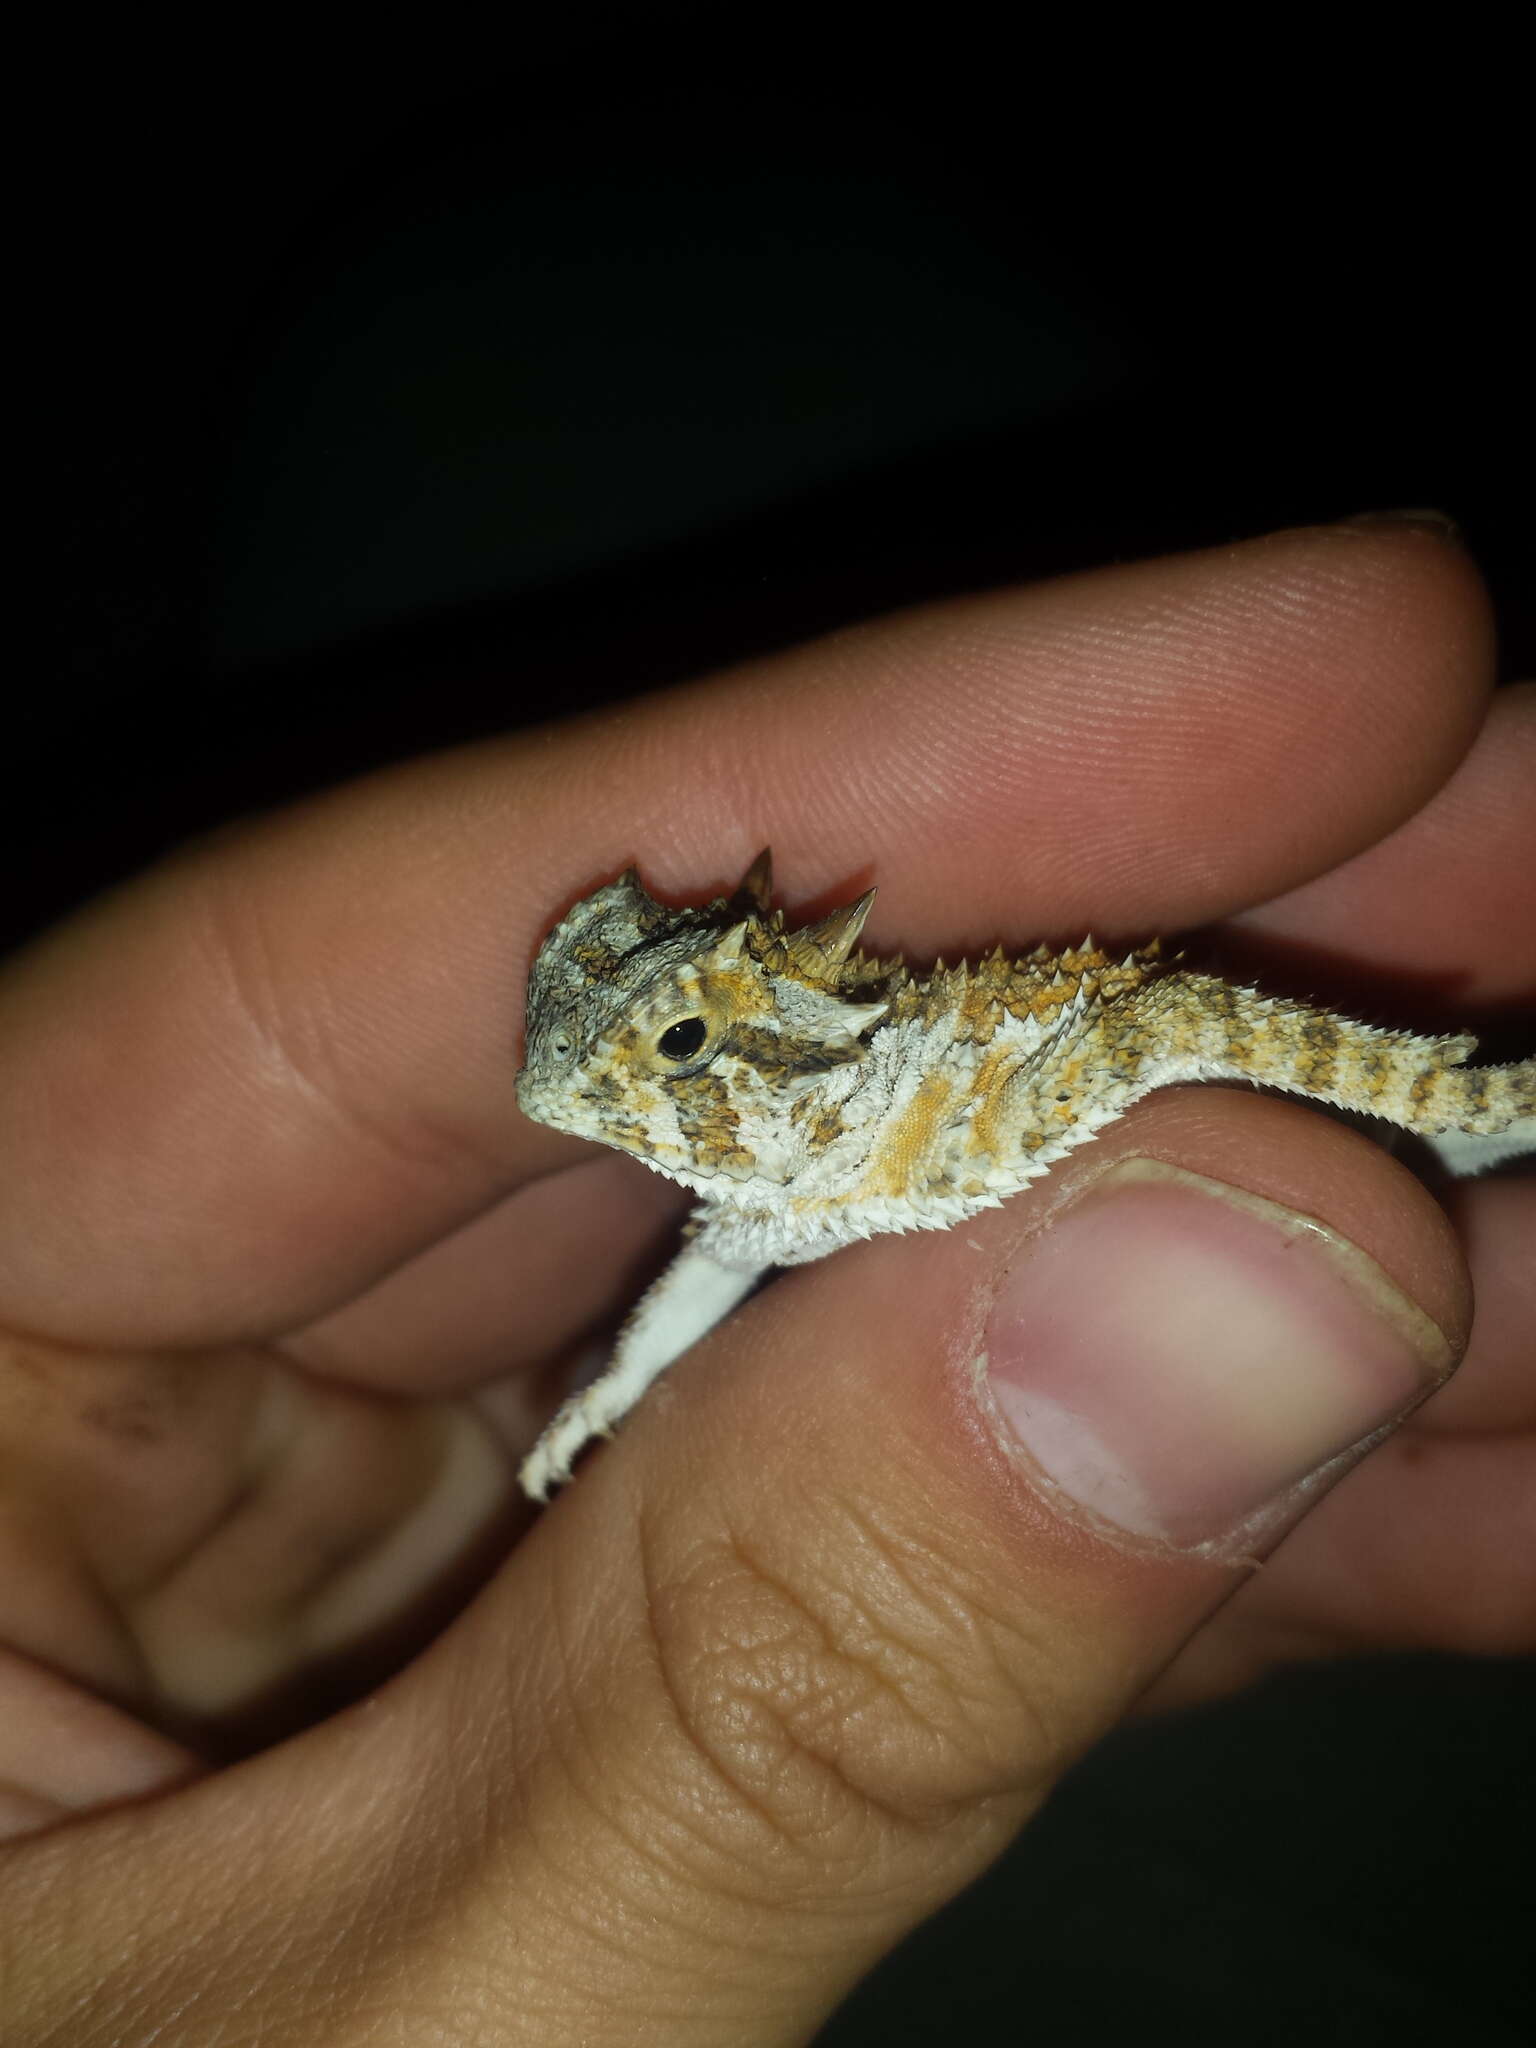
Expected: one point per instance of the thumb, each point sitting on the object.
(794, 1657)
(913, 1531)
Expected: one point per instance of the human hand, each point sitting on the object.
(282, 1275)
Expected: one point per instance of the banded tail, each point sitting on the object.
(1422, 1084)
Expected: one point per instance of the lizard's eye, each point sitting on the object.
(682, 1040)
(561, 1044)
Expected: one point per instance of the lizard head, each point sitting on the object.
(687, 1037)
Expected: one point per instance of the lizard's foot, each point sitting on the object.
(576, 1422)
(690, 1298)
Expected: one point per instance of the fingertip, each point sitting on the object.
(856, 1380)
(1446, 897)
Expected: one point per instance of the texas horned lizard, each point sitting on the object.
(813, 1095)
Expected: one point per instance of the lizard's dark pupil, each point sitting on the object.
(682, 1041)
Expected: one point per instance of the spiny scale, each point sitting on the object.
(817, 1095)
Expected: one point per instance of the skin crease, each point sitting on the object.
(234, 1440)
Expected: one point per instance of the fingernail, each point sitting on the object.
(1423, 518)
(1189, 1363)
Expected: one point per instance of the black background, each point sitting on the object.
(389, 397)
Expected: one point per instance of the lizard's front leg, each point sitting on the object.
(688, 1300)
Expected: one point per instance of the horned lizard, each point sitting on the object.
(812, 1095)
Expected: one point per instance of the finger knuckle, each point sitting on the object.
(863, 1681)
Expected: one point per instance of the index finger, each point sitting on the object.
(239, 1091)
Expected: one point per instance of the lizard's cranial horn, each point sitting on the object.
(756, 885)
(837, 933)
(630, 884)
(727, 949)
